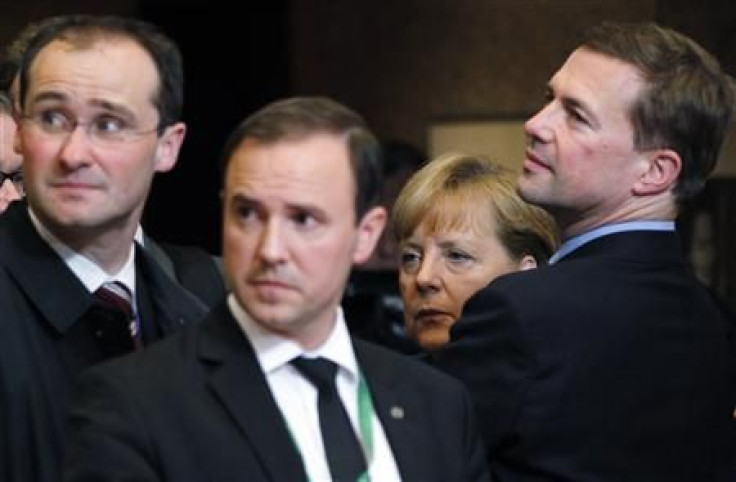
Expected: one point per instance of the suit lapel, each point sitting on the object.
(160, 300)
(400, 414)
(39, 272)
(239, 384)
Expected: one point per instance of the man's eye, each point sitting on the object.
(245, 211)
(109, 125)
(53, 119)
(576, 116)
(304, 218)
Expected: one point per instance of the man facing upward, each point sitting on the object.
(614, 363)
(100, 101)
(302, 179)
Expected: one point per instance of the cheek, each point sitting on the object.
(35, 154)
(463, 289)
(235, 247)
(405, 282)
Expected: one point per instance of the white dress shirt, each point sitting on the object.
(296, 397)
(88, 272)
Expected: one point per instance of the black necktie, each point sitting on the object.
(344, 453)
(116, 324)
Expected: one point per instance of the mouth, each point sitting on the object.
(431, 315)
(74, 185)
(269, 283)
(533, 162)
(270, 291)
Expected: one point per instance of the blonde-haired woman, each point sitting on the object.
(460, 224)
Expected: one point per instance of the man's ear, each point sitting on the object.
(527, 262)
(369, 231)
(169, 145)
(17, 145)
(660, 172)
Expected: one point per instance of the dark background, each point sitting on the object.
(233, 66)
(406, 65)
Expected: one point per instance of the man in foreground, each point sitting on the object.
(271, 386)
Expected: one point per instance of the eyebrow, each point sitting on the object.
(242, 197)
(55, 96)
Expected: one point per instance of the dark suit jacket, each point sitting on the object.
(612, 365)
(197, 407)
(47, 337)
(196, 270)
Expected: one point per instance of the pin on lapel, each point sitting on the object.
(397, 412)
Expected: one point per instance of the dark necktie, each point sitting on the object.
(116, 323)
(344, 453)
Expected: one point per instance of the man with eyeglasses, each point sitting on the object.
(11, 174)
(100, 100)
(194, 268)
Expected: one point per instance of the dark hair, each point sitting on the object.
(83, 31)
(6, 104)
(687, 103)
(14, 51)
(298, 117)
(8, 70)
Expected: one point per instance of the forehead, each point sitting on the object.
(114, 69)
(455, 214)
(315, 169)
(598, 79)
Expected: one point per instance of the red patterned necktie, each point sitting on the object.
(116, 297)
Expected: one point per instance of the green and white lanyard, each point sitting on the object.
(365, 421)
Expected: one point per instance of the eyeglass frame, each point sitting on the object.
(127, 134)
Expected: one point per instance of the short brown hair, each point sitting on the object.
(687, 101)
(298, 117)
(84, 31)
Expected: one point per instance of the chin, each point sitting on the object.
(433, 342)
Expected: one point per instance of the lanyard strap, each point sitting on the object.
(365, 418)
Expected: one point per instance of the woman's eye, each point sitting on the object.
(458, 256)
(409, 258)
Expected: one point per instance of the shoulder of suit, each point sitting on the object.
(410, 367)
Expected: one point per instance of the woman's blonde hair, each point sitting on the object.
(458, 191)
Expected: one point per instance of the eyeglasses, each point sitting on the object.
(16, 178)
(104, 130)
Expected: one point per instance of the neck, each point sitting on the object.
(108, 247)
(573, 223)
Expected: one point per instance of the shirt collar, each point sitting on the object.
(138, 236)
(88, 272)
(575, 242)
(274, 351)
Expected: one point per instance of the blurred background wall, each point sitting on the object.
(409, 66)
